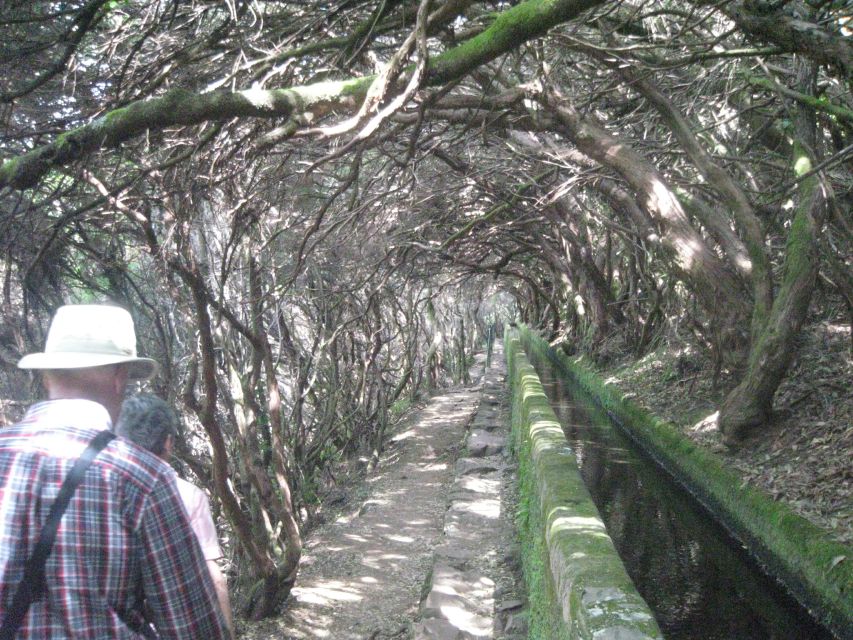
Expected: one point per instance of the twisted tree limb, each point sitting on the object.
(178, 107)
(792, 33)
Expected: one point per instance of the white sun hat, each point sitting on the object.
(90, 335)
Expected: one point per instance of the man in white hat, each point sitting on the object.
(124, 537)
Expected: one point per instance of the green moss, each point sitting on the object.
(544, 620)
(560, 528)
(510, 28)
(328, 91)
(115, 114)
(800, 553)
(68, 145)
(799, 249)
(8, 170)
(356, 86)
(63, 141)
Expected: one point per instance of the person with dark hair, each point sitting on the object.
(92, 525)
(151, 423)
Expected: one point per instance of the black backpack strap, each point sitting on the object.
(33, 578)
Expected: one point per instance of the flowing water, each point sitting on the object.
(698, 582)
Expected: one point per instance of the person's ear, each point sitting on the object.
(168, 446)
(120, 379)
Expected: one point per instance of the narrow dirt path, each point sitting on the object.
(476, 589)
(362, 576)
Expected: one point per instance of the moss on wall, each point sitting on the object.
(815, 568)
(578, 587)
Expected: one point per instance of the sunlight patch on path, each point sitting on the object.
(327, 592)
(472, 584)
(362, 575)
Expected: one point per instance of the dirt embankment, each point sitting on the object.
(803, 455)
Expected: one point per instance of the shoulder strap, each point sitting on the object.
(34, 569)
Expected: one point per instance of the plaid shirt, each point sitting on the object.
(124, 536)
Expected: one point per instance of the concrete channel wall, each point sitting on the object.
(578, 587)
(817, 570)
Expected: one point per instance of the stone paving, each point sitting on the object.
(475, 589)
(431, 551)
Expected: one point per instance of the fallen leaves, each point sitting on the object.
(804, 456)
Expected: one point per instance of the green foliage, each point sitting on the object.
(400, 406)
(308, 493)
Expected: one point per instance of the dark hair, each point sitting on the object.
(147, 420)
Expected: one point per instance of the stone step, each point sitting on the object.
(482, 444)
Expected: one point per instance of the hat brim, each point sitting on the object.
(138, 369)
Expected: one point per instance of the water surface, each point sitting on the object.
(696, 580)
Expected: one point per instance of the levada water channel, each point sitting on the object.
(700, 584)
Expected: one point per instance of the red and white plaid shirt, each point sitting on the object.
(124, 536)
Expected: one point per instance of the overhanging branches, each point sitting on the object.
(510, 29)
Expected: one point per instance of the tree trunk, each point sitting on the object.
(748, 406)
(756, 268)
(720, 292)
(277, 586)
(778, 22)
(592, 283)
(262, 560)
(518, 24)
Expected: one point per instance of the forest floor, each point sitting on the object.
(803, 456)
